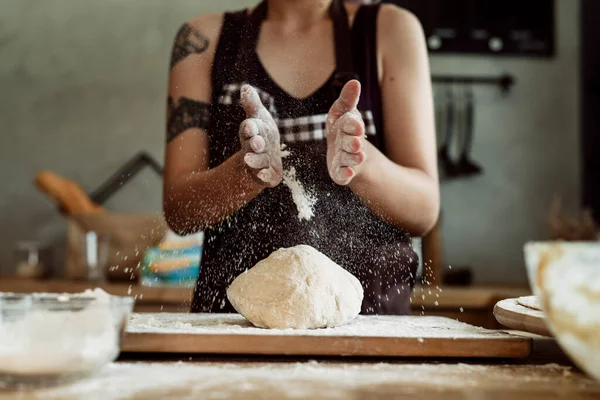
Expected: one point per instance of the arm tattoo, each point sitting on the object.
(186, 114)
(188, 41)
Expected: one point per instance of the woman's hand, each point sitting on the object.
(345, 136)
(259, 138)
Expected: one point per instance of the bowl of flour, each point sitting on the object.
(565, 276)
(48, 338)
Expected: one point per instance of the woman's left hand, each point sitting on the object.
(345, 136)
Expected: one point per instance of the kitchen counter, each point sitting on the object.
(235, 379)
(547, 374)
(472, 305)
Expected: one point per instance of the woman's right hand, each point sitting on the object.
(259, 137)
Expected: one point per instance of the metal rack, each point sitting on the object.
(505, 82)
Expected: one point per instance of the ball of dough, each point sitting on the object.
(298, 288)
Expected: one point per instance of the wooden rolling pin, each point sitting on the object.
(70, 198)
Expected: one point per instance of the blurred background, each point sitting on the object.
(83, 88)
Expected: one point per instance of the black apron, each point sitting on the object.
(377, 253)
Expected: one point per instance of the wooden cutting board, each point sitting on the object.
(514, 314)
(373, 336)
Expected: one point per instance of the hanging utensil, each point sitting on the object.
(465, 165)
(447, 166)
(439, 102)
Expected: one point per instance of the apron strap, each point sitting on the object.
(344, 60)
(344, 70)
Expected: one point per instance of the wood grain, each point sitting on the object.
(414, 337)
(513, 315)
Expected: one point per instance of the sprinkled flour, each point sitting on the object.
(378, 326)
(43, 342)
(304, 201)
(320, 380)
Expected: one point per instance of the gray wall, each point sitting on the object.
(528, 143)
(83, 89)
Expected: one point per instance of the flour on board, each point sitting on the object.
(378, 326)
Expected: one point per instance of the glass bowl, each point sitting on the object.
(48, 338)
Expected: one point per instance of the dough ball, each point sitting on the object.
(298, 288)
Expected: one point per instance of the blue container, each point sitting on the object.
(171, 267)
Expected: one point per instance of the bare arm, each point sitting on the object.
(196, 197)
(402, 187)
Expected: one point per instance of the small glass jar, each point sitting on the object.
(95, 256)
(28, 260)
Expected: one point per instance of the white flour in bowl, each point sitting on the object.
(47, 343)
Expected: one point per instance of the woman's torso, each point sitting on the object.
(342, 227)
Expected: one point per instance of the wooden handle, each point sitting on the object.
(69, 196)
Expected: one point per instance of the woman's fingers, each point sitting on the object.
(343, 175)
(248, 129)
(351, 124)
(347, 101)
(257, 144)
(256, 161)
(351, 160)
(345, 137)
(351, 144)
(251, 101)
(252, 104)
(259, 137)
(252, 133)
(269, 177)
(252, 127)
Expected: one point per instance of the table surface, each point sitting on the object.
(432, 297)
(332, 379)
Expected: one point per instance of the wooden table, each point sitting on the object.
(547, 374)
(324, 379)
(473, 305)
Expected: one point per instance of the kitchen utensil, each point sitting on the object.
(369, 335)
(439, 102)
(513, 315)
(124, 174)
(71, 199)
(465, 166)
(446, 163)
(50, 338)
(566, 278)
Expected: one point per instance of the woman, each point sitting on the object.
(365, 151)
